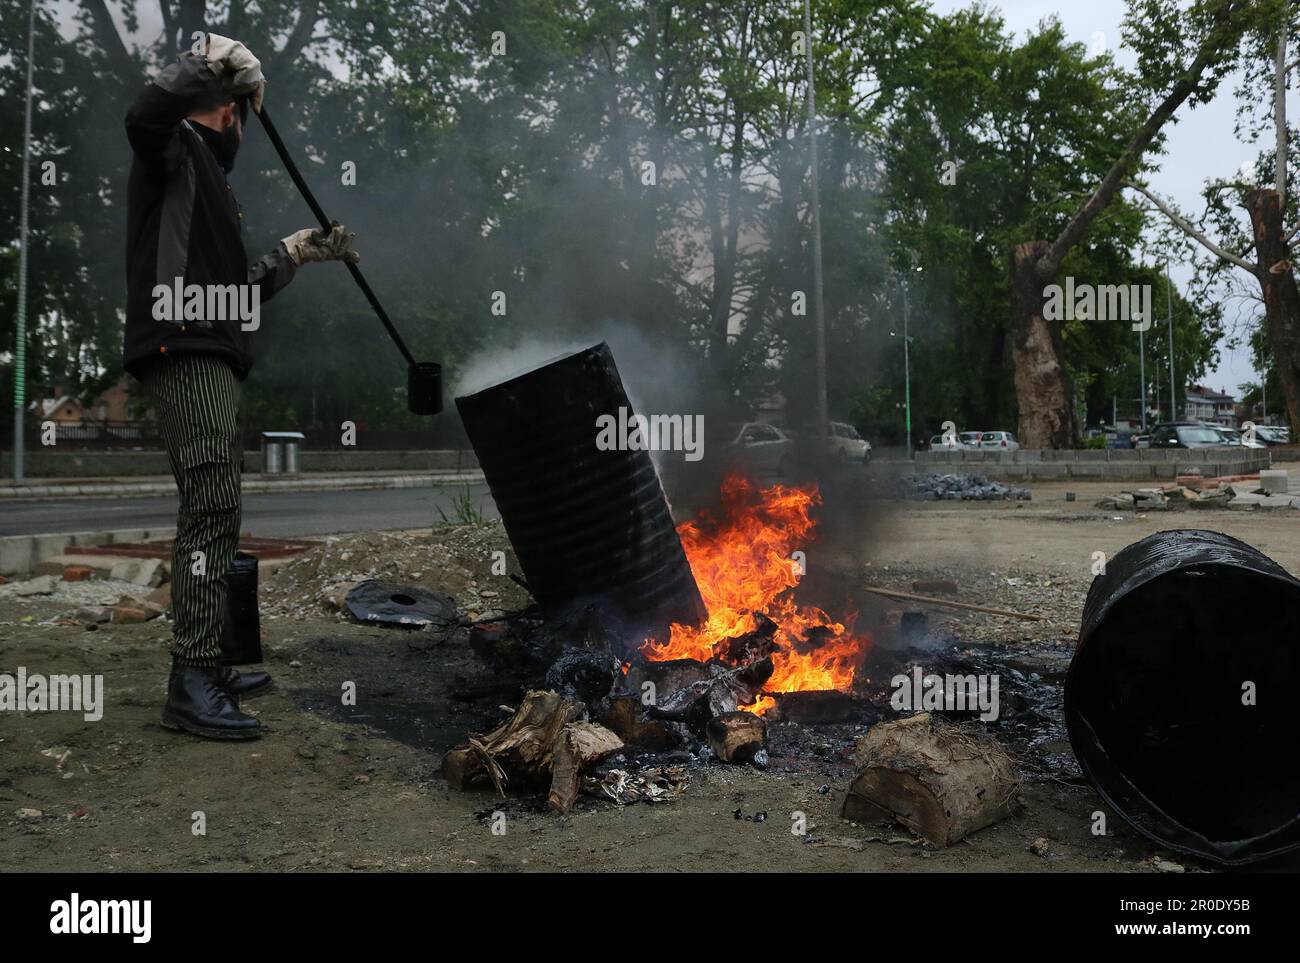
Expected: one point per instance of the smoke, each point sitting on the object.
(658, 378)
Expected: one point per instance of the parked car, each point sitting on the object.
(1003, 440)
(1185, 434)
(1231, 436)
(966, 439)
(760, 447)
(844, 443)
(1273, 435)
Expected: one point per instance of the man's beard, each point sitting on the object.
(229, 148)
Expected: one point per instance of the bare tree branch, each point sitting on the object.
(1190, 231)
(1225, 30)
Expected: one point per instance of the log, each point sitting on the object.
(942, 781)
(736, 736)
(626, 717)
(580, 746)
(521, 746)
(543, 743)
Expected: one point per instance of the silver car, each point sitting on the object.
(1002, 440)
(760, 447)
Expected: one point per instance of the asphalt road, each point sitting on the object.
(284, 514)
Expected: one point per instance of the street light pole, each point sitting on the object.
(907, 371)
(20, 320)
(1169, 313)
(1142, 376)
(819, 322)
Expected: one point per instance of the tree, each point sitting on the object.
(1264, 250)
(1155, 29)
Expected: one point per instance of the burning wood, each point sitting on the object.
(725, 690)
(543, 741)
(745, 566)
(942, 781)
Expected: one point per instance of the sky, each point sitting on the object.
(1199, 147)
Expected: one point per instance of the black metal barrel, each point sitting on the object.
(1180, 700)
(586, 524)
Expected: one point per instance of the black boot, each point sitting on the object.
(196, 703)
(242, 685)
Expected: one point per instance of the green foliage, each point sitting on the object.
(524, 172)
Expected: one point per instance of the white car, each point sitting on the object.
(758, 446)
(844, 442)
(1003, 440)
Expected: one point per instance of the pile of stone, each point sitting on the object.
(931, 487)
(1269, 492)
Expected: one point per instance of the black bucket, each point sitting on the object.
(241, 631)
(424, 388)
(1177, 633)
(585, 524)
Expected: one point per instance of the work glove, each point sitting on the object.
(239, 70)
(315, 245)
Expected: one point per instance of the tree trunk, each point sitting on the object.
(1281, 298)
(1042, 385)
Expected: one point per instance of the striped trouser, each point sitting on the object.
(196, 397)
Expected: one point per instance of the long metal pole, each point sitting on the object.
(20, 324)
(819, 321)
(1142, 375)
(1169, 313)
(907, 370)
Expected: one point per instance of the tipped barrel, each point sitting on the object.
(586, 524)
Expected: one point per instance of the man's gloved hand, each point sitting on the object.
(315, 245)
(239, 70)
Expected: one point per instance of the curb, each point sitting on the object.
(27, 493)
(21, 554)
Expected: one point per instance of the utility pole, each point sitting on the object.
(1142, 375)
(819, 316)
(20, 321)
(907, 371)
(1169, 314)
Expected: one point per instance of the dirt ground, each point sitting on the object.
(332, 787)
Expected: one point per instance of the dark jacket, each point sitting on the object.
(183, 222)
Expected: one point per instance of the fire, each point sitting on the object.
(743, 565)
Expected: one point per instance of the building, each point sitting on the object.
(1211, 407)
(64, 409)
(114, 404)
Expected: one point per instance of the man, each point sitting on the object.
(184, 234)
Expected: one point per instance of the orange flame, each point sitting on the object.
(743, 565)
